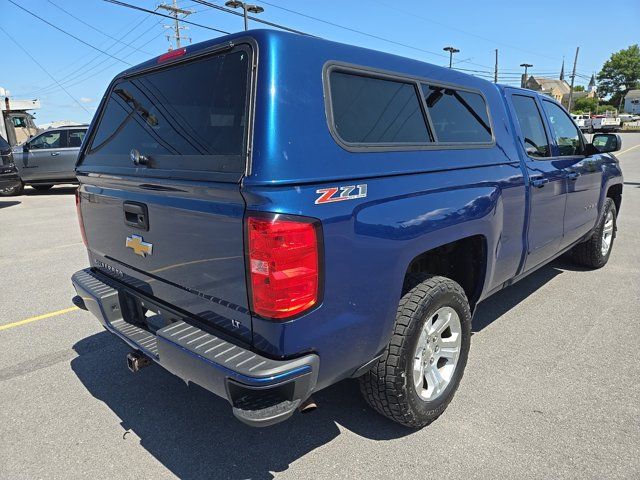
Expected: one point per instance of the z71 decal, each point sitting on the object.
(330, 194)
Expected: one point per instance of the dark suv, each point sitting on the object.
(9, 180)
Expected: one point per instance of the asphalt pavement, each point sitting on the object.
(551, 389)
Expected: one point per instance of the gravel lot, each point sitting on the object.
(551, 390)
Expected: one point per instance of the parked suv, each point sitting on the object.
(9, 179)
(50, 157)
(307, 211)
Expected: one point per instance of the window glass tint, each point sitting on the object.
(534, 137)
(76, 137)
(372, 110)
(457, 116)
(48, 140)
(190, 116)
(564, 131)
(19, 122)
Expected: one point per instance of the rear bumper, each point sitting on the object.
(262, 391)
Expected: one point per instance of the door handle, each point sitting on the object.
(136, 215)
(539, 182)
(573, 176)
(55, 154)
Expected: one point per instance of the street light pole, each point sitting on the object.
(524, 77)
(246, 7)
(451, 51)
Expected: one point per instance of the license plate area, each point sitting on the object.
(145, 314)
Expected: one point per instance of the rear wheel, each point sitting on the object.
(595, 252)
(421, 368)
(42, 188)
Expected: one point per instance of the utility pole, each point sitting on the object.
(523, 82)
(573, 77)
(451, 51)
(175, 12)
(495, 72)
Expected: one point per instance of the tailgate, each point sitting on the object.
(159, 193)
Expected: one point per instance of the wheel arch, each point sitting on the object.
(463, 261)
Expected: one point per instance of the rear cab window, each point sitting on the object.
(367, 110)
(186, 116)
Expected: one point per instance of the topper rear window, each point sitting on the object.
(188, 116)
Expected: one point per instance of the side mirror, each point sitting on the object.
(606, 142)
(25, 148)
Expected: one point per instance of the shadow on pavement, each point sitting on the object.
(10, 203)
(501, 302)
(194, 434)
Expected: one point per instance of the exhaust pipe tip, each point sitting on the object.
(309, 405)
(137, 361)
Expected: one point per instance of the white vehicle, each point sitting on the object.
(16, 124)
(609, 122)
(583, 121)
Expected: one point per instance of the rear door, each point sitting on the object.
(66, 160)
(547, 180)
(160, 186)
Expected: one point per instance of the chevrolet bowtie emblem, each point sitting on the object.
(139, 246)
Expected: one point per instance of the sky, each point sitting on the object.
(541, 33)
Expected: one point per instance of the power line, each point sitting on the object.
(353, 30)
(66, 33)
(84, 68)
(75, 81)
(96, 29)
(44, 69)
(135, 7)
(255, 19)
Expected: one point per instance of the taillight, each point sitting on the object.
(284, 265)
(171, 54)
(79, 212)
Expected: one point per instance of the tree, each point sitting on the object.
(620, 74)
(585, 104)
(578, 88)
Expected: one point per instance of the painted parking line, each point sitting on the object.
(37, 318)
(628, 150)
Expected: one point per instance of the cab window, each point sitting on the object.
(19, 122)
(534, 138)
(566, 134)
(47, 140)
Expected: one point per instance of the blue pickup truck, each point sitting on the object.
(267, 214)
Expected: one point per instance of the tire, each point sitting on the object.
(42, 188)
(12, 192)
(389, 387)
(595, 251)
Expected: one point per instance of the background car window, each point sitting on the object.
(373, 110)
(48, 140)
(76, 137)
(565, 132)
(19, 122)
(457, 116)
(534, 137)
